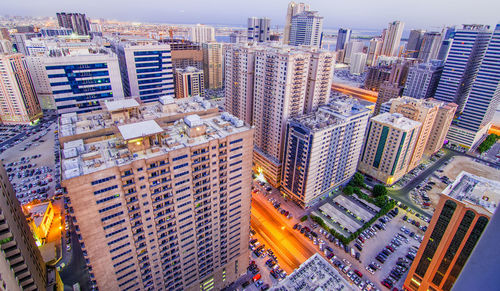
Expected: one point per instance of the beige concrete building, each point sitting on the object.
(160, 193)
(422, 111)
(388, 148)
(461, 216)
(283, 77)
(212, 64)
(239, 62)
(312, 170)
(39, 217)
(189, 82)
(21, 264)
(18, 100)
(440, 127)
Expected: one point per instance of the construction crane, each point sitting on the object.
(406, 53)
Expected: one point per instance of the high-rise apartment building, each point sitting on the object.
(287, 82)
(306, 29)
(146, 69)
(4, 33)
(293, 9)
(440, 128)
(462, 64)
(423, 79)
(374, 50)
(343, 37)
(201, 33)
(18, 100)
(414, 43)
(21, 264)
(388, 147)
(212, 64)
(483, 99)
(429, 49)
(463, 211)
(448, 35)
(163, 203)
(358, 63)
(376, 76)
(189, 82)
(76, 21)
(239, 62)
(351, 48)
(311, 170)
(185, 54)
(423, 111)
(259, 29)
(80, 81)
(392, 38)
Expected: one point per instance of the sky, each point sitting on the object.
(356, 14)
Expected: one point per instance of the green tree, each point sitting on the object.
(304, 218)
(348, 190)
(358, 180)
(379, 190)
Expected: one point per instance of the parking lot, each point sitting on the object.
(31, 164)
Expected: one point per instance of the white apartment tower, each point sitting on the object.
(201, 33)
(293, 9)
(392, 38)
(306, 29)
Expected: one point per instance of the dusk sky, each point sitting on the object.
(357, 14)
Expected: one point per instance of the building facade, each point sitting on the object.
(431, 43)
(201, 33)
(388, 147)
(392, 38)
(18, 99)
(440, 128)
(343, 37)
(185, 54)
(189, 82)
(165, 204)
(21, 263)
(464, 209)
(358, 63)
(79, 82)
(293, 9)
(76, 21)
(351, 48)
(423, 79)
(306, 29)
(259, 29)
(374, 50)
(146, 69)
(239, 64)
(414, 43)
(311, 170)
(212, 64)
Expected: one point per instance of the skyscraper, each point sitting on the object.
(239, 62)
(374, 51)
(392, 38)
(484, 96)
(189, 82)
(388, 147)
(351, 48)
(461, 75)
(358, 64)
(160, 207)
(18, 100)
(146, 69)
(21, 264)
(463, 211)
(212, 64)
(76, 21)
(259, 29)
(80, 81)
(414, 43)
(306, 29)
(448, 34)
(201, 33)
(343, 37)
(293, 9)
(431, 43)
(311, 170)
(423, 79)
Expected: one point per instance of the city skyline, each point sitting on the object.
(201, 12)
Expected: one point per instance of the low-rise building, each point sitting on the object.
(40, 218)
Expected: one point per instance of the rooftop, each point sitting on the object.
(37, 212)
(121, 104)
(396, 120)
(314, 274)
(475, 190)
(118, 144)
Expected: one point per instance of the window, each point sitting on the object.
(105, 189)
(179, 158)
(111, 216)
(236, 141)
(103, 180)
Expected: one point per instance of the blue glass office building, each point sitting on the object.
(146, 70)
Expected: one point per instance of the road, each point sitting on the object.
(276, 233)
